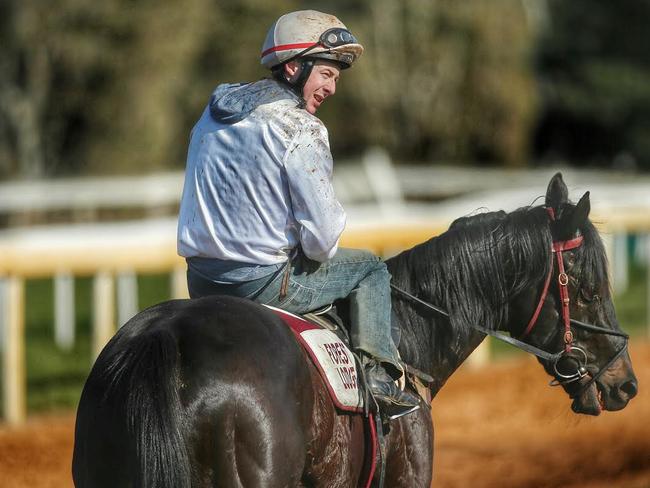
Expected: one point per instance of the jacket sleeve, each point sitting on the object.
(308, 163)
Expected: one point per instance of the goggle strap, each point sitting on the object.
(287, 47)
(308, 46)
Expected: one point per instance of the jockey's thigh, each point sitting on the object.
(313, 284)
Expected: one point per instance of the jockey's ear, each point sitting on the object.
(574, 218)
(556, 194)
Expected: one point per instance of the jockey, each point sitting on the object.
(259, 218)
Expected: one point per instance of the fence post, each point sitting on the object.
(179, 282)
(103, 310)
(383, 181)
(608, 243)
(647, 284)
(621, 263)
(64, 316)
(13, 311)
(127, 296)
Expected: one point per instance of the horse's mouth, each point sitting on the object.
(590, 401)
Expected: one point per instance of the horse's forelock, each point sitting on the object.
(590, 265)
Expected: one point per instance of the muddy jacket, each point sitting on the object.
(258, 180)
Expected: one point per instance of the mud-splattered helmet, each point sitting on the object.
(309, 34)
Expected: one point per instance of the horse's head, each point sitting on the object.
(575, 317)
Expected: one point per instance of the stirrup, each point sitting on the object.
(391, 400)
(403, 413)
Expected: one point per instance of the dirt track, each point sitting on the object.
(498, 427)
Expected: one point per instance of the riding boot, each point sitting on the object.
(394, 401)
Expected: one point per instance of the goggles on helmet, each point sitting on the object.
(335, 37)
(330, 39)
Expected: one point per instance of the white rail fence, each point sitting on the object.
(115, 253)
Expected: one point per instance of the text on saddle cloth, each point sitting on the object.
(331, 356)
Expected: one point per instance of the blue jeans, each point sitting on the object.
(355, 273)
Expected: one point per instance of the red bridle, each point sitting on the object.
(558, 247)
(561, 378)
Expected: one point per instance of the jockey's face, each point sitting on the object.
(320, 84)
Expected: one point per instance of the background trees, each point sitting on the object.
(116, 86)
(594, 70)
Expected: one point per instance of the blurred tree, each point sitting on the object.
(116, 86)
(56, 60)
(440, 80)
(595, 70)
(229, 52)
(24, 86)
(141, 111)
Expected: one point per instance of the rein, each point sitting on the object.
(496, 334)
(557, 247)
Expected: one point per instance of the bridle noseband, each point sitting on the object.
(558, 247)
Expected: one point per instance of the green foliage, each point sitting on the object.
(54, 376)
(632, 307)
(115, 86)
(448, 80)
(152, 289)
(594, 64)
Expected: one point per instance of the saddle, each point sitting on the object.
(325, 338)
(328, 347)
(328, 318)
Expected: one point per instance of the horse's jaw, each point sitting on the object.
(589, 402)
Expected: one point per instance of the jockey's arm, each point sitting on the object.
(308, 163)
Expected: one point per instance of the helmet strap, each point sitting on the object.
(306, 67)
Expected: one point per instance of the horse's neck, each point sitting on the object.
(428, 340)
(421, 347)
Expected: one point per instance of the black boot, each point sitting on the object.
(394, 401)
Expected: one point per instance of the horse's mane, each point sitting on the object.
(483, 261)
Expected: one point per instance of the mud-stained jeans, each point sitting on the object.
(355, 273)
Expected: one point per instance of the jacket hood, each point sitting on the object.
(233, 102)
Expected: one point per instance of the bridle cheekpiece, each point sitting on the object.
(557, 248)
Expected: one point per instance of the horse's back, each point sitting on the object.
(216, 383)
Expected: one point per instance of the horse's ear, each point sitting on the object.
(575, 218)
(556, 193)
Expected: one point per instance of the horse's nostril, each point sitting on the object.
(630, 388)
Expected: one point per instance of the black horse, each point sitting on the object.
(217, 391)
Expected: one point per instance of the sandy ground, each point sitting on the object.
(503, 427)
(500, 426)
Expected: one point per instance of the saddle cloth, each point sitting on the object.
(331, 356)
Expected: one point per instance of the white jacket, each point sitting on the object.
(258, 180)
